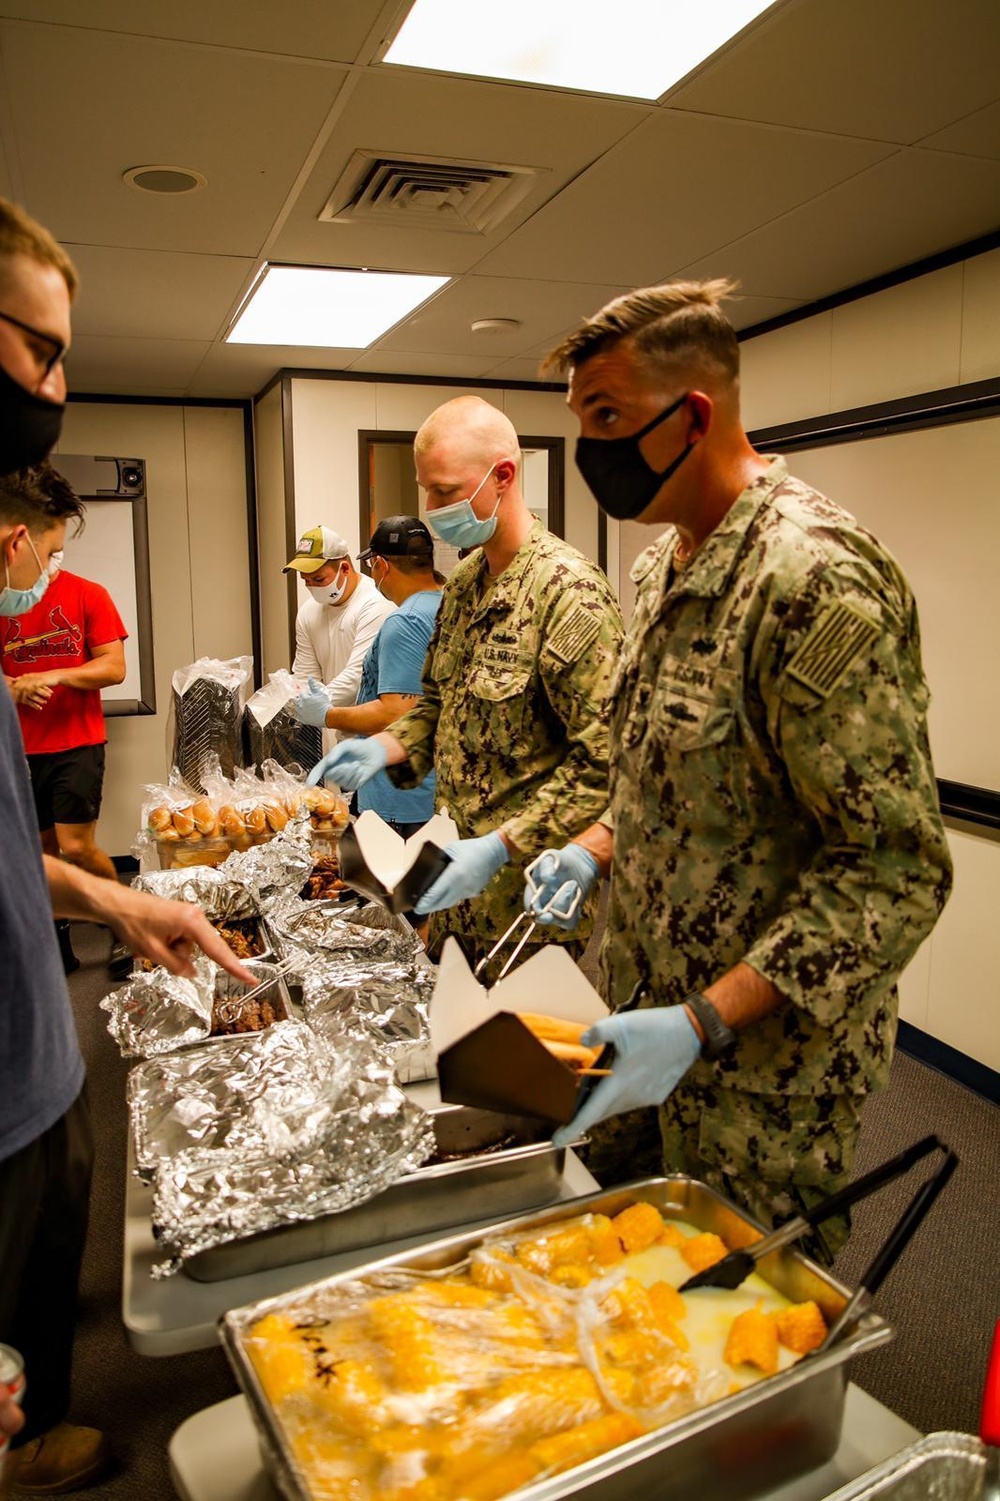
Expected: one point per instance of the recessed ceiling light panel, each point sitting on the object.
(637, 49)
(163, 179)
(326, 308)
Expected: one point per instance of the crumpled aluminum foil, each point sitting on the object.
(385, 1004)
(157, 1012)
(309, 931)
(218, 892)
(259, 1131)
(278, 867)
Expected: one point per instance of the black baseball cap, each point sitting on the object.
(399, 537)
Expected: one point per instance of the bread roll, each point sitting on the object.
(168, 836)
(183, 822)
(206, 820)
(276, 817)
(231, 820)
(256, 820)
(159, 819)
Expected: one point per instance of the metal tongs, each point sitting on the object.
(566, 911)
(229, 1009)
(734, 1269)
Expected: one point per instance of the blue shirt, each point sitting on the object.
(395, 664)
(41, 1069)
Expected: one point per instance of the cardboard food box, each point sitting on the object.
(393, 871)
(488, 1057)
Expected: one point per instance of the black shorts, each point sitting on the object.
(68, 785)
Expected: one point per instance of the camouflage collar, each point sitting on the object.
(709, 570)
(504, 593)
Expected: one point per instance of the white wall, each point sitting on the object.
(938, 330)
(200, 578)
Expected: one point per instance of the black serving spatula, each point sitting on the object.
(735, 1268)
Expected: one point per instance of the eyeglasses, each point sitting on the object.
(47, 342)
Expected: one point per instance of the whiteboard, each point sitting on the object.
(931, 497)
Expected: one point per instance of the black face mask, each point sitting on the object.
(620, 480)
(29, 425)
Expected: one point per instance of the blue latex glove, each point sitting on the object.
(557, 883)
(653, 1051)
(350, 764)
(474, 862)
(312, 706)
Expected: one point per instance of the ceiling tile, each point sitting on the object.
(519, 369)
(154, 292)
(541, 308)
(890, 70)
(914, 205)
(246, 122)
(297, 28)
(675, 189)
(414, 114)
(977, 135)
(385, 362)
(120, 365)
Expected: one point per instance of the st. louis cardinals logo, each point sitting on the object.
(62, 640)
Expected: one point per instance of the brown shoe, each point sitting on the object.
(66, 1458)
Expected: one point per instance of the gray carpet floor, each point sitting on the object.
(942, 1298)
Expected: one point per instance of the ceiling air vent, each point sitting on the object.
(429, 192)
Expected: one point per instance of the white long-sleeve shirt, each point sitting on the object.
(332, 641)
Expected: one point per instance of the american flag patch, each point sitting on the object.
(837, 639)
(574, 634)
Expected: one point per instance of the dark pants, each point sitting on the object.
(44, 1207)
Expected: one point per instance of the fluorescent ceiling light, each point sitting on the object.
(634, 48)
(326, 308)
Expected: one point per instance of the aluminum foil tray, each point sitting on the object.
(521, 1175)
(754, 1440)
(942, 1466)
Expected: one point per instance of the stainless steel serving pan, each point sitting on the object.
(757, 1438)
(521, 1176)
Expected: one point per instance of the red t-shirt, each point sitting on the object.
(73, 616)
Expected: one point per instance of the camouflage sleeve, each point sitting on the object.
(846, 703)
(583, 640)
(417, 728)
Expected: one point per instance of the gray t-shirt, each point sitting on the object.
(41, 1068)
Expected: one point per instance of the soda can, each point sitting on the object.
(12, 1385)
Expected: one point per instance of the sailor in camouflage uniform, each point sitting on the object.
(513, 716)
(778, 852)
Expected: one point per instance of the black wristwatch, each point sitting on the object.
(719, 1039)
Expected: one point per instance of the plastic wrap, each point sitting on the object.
(207, 706)
(490, 1376)
(273, 732)
(253, 1132)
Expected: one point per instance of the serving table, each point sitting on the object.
(175, 1315)
(214, 1455)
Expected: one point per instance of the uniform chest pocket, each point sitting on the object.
(495, 697)
(693, 751)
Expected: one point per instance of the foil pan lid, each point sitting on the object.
(259, 1131)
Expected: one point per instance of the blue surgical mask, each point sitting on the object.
(458, 524)
(20, 601)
